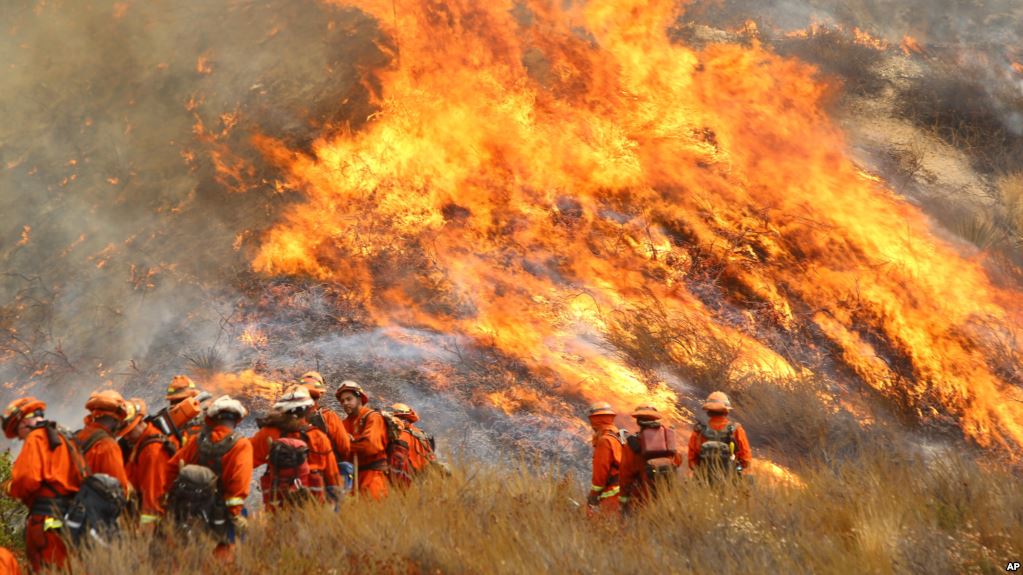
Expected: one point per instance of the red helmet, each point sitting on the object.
(107, 402)
(181, 387)
(313, 381)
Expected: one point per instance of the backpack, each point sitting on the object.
(657, 446)
(399, 466)
(100, 500)
(717, 452)
(193, 497)
(288, 477)
(95, 508)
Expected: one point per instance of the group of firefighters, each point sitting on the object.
(188, 464)
(627, 468)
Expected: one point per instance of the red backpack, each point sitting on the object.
(288, 477)
(657, 446)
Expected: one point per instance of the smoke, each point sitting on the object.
(123, 152)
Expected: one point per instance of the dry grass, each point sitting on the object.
(875, 513)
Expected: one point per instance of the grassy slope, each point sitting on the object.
(872, 514)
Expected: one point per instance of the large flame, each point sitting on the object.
(536, 175)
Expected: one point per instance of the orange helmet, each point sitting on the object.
(717, 401)
(353, 387)
(646, 412)
(313, 381)
(137, 411)
(181, 387)
(18, 410)
(601, 408)
(405, 412)
(106, 403)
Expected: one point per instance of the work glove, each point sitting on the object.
(240, 523)
(335, 492)
(593, 499)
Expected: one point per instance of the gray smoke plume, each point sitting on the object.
(122, 246)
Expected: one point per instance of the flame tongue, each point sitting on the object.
(536, 188)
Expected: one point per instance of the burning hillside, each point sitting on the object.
(513, 208)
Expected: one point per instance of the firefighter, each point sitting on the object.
(319, 471)
(650, 458)
(325, 419)
(719, 446)
(181, 388)
(8, 563)
(98, 439)
(607, 459)
(421, 445)
(368, 432)
(150, 451)
(45, 477)
(221, 448)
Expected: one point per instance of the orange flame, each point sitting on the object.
(532, 188)
(247, 383)
(911, 46)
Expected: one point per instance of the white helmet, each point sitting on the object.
(296, 397)
(224, 405)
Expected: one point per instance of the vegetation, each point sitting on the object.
(876, 513)
(12, 513)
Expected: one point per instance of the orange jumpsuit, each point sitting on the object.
(336, 432)
(607, 463)
(634, 483)
(369, 450)
(105, 455)
(147, 471)
(321, 458)
(235, 473)
(40, 473)
(743, 453)
(8, 563)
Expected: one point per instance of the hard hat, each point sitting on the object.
(296, 397)
(224, 406)
(181, 387)
(313, 381)
(717, 401)
(107, 402)
(646, 412)
(353, 387)
(137, 411)
(18, 410)
(405, 412)
(601, 408)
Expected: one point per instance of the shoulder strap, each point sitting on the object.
(317, 421)
(168, 445)
(361, 422)
(92, 440)
(56, 435)
(632, 442)
(619, 437)
(210, 453)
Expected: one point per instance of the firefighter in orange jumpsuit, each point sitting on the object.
(98, 439)
(181, 388)
(8, 563)
(607, 459)
(151, 450)
(635, 481)
(421, 453)
(325, 419)
(289, 420)
(45, 476)
(368, 433)
(718, 407)
(234, 468)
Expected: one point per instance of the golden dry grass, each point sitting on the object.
(872, 514)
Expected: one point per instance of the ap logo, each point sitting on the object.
(1013, 567)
